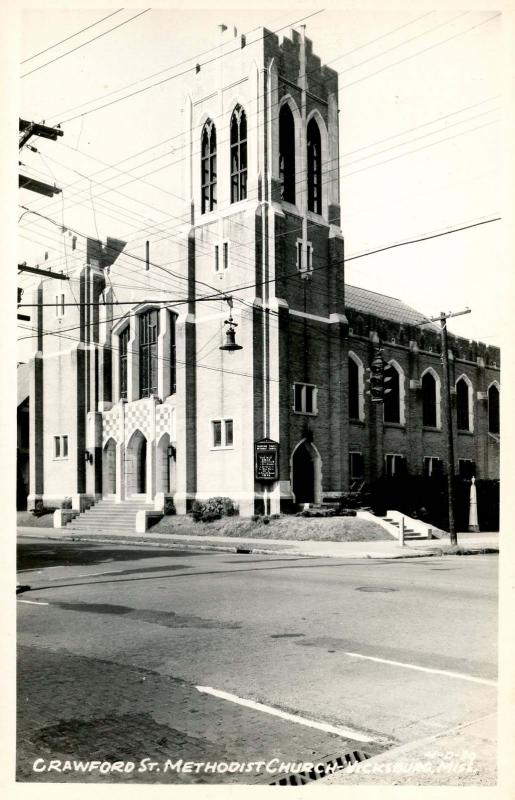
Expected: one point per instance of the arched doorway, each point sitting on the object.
(109, 468)
(306, 473)
(165, 476)
(136, 465)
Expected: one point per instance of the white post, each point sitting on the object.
(473, 520)
(401, 532)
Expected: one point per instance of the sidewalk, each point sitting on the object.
(463, 756)
(475, 542)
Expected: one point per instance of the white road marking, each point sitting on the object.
(33, 602)
(449, 674)
(348, 733)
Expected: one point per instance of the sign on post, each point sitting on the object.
(266, 461)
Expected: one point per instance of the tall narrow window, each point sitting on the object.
(148, 333)
(392, 400)
(173, 354)
(462, 405)
(208, 167)
(493, 409)
(124, 346)
(428, 400)
(287, 154)
(353, 389)
(238, 155)
(314, 168)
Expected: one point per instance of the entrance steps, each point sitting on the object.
(107, 516)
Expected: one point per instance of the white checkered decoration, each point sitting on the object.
(165, 418)
(138, 418)
(110, 426)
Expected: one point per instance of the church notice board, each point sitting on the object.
(266, 462)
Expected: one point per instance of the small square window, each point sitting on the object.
(433, 467)
(304, 398)
(466, 468)
(217, 433)
(309, 399)
(356, 466)
(57, 446)
(300, 264)
(223, 432)
(65, 446)
(395, 465)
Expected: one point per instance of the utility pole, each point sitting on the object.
(442, 318)
(28, 129)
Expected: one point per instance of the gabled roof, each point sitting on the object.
(365, 301)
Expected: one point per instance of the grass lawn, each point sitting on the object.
(319, 529)
(28, 520)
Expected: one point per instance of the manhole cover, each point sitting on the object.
(383, 589)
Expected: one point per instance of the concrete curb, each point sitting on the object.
(459, 738)
(244, 546)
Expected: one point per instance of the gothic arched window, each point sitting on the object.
(314, 168)
(208, 167)
(356, 388)
(493, 409)
(287, 154)
(148, 362)
(238, 155)
(429, 417)
(123, 350)
(463, 405)
(393, 400)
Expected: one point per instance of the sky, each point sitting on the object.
(421, 150)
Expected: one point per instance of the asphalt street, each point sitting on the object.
(127, 653)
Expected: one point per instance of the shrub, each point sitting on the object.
(38, 509)
(67, 502)
(213, 508)
(169, 507)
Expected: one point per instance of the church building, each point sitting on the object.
(133, 398)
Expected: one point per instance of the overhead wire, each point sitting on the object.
(73, 35)
(94, 39)
(221, 296)
(157, 224)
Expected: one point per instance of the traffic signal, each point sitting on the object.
(380, 376)
(376, 378)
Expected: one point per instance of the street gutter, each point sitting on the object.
(245, 546)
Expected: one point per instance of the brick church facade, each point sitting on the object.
(140, 401)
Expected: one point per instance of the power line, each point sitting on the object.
(221, 295)
(420, 52)
(181, 74)
(70, 37)
(422, 238)
(53, 60)
(182, 221)
(205, 52)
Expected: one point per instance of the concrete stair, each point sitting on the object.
(107, 516)
(409, 533)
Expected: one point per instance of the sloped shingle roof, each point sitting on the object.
(365, 301)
